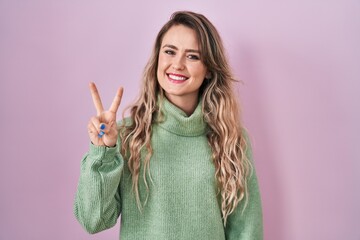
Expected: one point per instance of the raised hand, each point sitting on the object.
(102, 128)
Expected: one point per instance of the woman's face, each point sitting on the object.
(180, 71)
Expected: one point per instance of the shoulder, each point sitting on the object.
(247, 143)
(245, 134)
(125, 122)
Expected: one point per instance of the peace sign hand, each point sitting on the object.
(102, 128)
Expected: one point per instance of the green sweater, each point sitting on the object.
(182, 202)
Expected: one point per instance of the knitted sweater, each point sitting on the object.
(182, 203)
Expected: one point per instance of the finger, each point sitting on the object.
(96, 98)
(117, 100)
(103, 127)
(93, 134)
(91, 128)
(113, 133)
(96, 122)
(98, 128)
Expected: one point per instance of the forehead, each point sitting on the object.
(181, 37)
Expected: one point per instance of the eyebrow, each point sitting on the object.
(175, 48)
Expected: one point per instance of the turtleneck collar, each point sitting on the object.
(176, 120)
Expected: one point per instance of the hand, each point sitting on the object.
(102, 128)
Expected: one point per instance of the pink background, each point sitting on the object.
(298, 60)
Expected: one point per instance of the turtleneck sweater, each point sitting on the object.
(183, 200)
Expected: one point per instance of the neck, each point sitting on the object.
(185, 103)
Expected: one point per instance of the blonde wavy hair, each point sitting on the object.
(220, 109)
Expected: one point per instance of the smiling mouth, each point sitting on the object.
(176, 78)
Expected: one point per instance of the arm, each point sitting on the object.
(97, 202)
(247, 224)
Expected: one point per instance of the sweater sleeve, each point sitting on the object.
(97, 202)
(247, 224)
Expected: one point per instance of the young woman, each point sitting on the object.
(180, 167)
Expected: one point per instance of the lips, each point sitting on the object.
(176, 77)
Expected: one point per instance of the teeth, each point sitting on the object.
(178, 78)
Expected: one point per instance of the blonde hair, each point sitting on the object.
(219, 106)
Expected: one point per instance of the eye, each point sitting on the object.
(169, 52)
(193, 57)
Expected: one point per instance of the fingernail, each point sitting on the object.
(102, 126)
(101, 134)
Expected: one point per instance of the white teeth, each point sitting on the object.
(177, 78)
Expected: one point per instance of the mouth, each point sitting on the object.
(176, 78)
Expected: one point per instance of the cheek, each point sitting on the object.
(160, 67)
(162, 62)
(198, 70)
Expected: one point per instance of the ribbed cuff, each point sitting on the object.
(103, 153)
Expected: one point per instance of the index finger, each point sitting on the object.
(117, 100)
(96, 98)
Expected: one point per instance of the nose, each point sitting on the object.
(178, 63)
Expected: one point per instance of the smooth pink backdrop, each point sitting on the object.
(299, 63)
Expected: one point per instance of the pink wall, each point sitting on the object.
(299, 61)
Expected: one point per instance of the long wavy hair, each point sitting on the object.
(220, 110)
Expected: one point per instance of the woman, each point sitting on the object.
(180, 166)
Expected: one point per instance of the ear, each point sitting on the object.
(208, 75)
